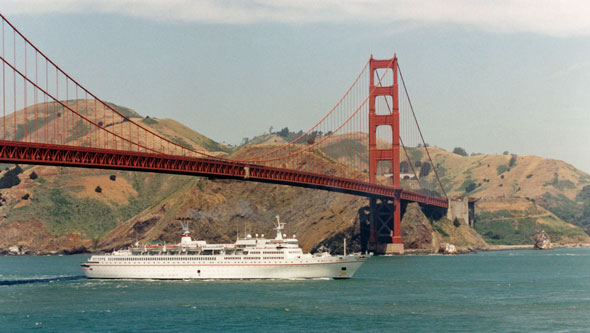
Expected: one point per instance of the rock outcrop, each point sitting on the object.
(417, 232)
(542, 241)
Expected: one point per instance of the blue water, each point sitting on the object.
(501, 291)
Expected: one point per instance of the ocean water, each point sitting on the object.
(504, 291)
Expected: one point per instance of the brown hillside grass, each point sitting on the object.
(115, 192)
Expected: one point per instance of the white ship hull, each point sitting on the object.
(141, 267)
(247, 258)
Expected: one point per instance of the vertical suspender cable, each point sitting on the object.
(3, 86)
(14, 82)
(25, 97)
(35, 95)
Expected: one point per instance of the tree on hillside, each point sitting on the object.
(10, 178)
(311, 138)
(404, 167)
(460, 151)
(284, 132)
(425, 170)
(512, 160)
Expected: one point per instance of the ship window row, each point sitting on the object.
(270, 258)
(161, 259)
(273, 252)
(233, 258)
(254, 258)
(201, 258)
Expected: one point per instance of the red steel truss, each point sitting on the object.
(72, 156)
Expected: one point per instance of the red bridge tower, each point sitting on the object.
(385, 217)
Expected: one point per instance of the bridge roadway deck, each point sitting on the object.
(84, 157)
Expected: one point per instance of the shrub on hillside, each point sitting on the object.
(470, 187)
(501, 169)
(512, 160)
(404, 167)
(440, 230)
(425, 170)
(460, 151)
(33, 175)
(10, 178)
(149, 121)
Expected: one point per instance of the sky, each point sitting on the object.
(488, 76)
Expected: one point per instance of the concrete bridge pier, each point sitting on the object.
(385, 226)
(462, 209)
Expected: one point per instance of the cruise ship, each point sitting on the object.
(250, 257)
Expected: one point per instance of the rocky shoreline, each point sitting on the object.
(444, 250)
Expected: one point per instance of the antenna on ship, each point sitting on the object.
(186, 232)
(279, 228)
(185, 223)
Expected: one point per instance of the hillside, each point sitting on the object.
(46, 209)
(84, 204)
(553, 185)
(514, 221)
(509, 183)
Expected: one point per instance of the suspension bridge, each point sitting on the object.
(358, 147)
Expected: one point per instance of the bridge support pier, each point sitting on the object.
(385, 226)
(462, 209)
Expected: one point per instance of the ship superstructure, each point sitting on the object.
(248, 258)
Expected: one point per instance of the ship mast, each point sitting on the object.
(279, 228)
(186, 233)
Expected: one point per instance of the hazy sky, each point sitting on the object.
(488, 76)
